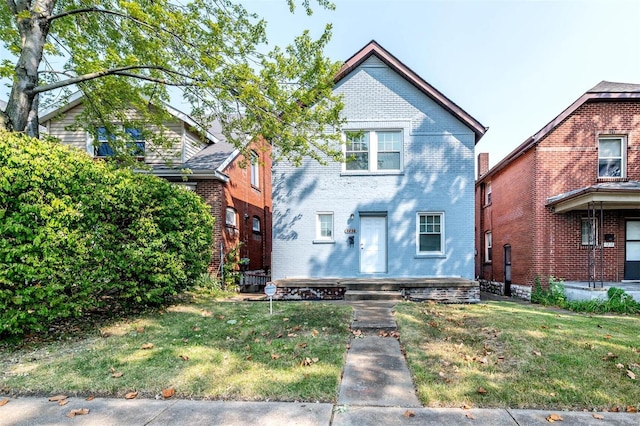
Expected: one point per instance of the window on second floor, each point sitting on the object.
(373, 151)
(135, 143)
(487, 194)
(611, 157)
(255, 170)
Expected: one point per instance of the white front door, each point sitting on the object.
(373, 244)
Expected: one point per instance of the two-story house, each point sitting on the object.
(238, 190)
(401, 205)
(566, 202)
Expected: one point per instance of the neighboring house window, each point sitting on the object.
(430, 233)
(589, 232)
(231, 217)
(611, 158)
(255, 170)
(488, 244)
(255, 226)
(135, 144)
(487, 194)
(373, 151)
(324, 227)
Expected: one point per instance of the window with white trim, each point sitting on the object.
(135, 142)
(487, 194)
(488, 246)
(373, 151)
(324, 226)
(430, 233)
(611, 157)
(255, 225)
(588, 231)
(255, 170)
(231, 217)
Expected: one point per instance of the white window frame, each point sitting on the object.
(488, 247)
(255, 170)
(442, 234)
(319, 228)
(256, 229)
(231, 217)
(584, 238)
(371, 138)
(93, 144)
(487, 194)
(622, 158)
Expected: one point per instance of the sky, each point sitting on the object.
(514, 65)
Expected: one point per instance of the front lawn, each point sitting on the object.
(205, 349)
(505, 354)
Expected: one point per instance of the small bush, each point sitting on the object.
(79, 234)
(553, 295)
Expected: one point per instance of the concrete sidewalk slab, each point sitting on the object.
(574, 418)
(139, 412)
(376, 374)
(361, 416)
(373, 315)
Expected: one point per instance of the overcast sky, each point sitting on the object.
(514, 65)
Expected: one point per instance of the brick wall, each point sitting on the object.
(544, 243)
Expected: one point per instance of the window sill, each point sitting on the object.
(612, 179)
(324, 241)
(370, 173)
(430, 256)
(257, 188)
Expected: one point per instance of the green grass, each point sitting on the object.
(503, 354)
(205, 349)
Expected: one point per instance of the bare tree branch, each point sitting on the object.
(116, 71)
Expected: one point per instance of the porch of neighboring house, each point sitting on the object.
(584, 290)
(443, 290)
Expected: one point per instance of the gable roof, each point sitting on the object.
(605, 91)
(373, 48)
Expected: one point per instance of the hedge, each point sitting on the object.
(79, 235)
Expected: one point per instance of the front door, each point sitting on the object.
(632, 251)
(373, 244)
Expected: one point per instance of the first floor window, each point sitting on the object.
(231, 217)
(430, 233)
(488, 245)
(589, 231)
(255, 226)
(324, 226)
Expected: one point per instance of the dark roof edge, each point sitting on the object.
(373, 48)
(540, 134)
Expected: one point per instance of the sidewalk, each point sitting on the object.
(376, 389)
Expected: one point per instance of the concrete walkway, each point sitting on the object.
(376, 389)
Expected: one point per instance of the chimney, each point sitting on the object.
(483, 164)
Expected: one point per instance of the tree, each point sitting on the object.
(124, 54)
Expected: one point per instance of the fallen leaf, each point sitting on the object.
(112, 370)
(303, 345)
(554, 418)
(4, 402)
(631, 375)
(168, 393)
(631, 409)
(131, 395)
(620, 365)
(536, 353)
(196, 328)
(275, 356)
(147, 346)
(140, 329)
(184, 357)
(117, 374)
(90, 398)
(297, 328)
(466, 407)
(57, 398)
(482, 390)
(314, 332)
(63, 402)
(285, 319)
(78, 412)
(409, 413)
(614, 410)
(608, 336)
(598, 416)
(470, 416)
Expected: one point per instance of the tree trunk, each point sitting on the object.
(22, 106)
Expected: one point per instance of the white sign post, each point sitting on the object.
(270, 290)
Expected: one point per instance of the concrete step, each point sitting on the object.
(372, 286)
(351, 295)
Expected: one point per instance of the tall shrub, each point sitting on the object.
(76, 234)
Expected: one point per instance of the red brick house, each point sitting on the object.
(566, 202)
(237, 189)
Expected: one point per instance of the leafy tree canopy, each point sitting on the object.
(124, 54)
